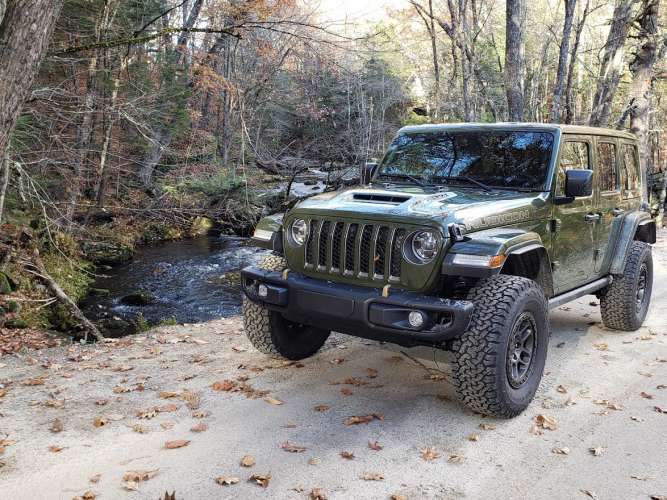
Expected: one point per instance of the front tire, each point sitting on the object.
(624, 303)
(500, 358)
(272, 334)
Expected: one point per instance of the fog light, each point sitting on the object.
(262, 291)
(416, 319)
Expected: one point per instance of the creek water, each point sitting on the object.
(189, 281)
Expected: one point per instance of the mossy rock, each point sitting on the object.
(61, 319)
(201, 226)
(5, 284)
(99, 292)
(138, 299)
(107, 253)
(116, 327)
(16, 323)
(13, 306)
(232, 278)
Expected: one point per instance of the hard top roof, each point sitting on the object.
(565, 129)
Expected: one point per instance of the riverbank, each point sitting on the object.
(182, 408)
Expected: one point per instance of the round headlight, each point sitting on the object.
(425, 245)
(299, 231)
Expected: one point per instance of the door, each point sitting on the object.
(611, 206)
(573, 221)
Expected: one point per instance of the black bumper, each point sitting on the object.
(359, 311)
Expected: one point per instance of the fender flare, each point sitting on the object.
(269, 233)
(633, 223)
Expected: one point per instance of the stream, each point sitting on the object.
(185, 281)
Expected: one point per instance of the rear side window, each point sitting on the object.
(629, 169)
(574, 155)
(607, 166)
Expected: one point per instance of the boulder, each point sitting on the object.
(138, 299)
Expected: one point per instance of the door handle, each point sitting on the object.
(592, 217)
(617, 211)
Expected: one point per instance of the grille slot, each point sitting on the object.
(354, 249)
(365, 249)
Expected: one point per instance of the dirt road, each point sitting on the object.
(601, 388)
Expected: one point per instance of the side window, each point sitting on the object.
(573, 155)
(629, 169)
(607, 166)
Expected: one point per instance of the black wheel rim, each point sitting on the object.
(521, 350)
(641, 288)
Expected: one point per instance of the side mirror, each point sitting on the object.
(367, 171)
(578, 183)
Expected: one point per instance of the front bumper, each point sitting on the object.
(358, 311)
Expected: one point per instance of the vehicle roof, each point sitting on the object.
(565, 129)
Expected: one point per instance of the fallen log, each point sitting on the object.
(35, 266)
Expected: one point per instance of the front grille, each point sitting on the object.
(355, 249)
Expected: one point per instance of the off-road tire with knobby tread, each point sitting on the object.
(272, 334)
(480, 364)
(618, 301)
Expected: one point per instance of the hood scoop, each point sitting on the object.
(391, 199)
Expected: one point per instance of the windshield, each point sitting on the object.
(496, 158)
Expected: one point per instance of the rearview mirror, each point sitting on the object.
(578, 183)
(367, 172)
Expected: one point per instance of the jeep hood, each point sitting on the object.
(475, 208)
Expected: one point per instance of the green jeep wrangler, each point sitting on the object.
(462, 238)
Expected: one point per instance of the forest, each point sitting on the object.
(126, 122)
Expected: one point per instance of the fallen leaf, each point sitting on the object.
(261, 480)
(347, 455)
(371, 373)
(131, 485)
(95, 479)
(321, 408)
(55, 448)
(100, 422)
(317, 494)
(601, 347)
(200, 427)
(34, 381)
(247, 461)
(54, 403)
(314, 461)
(166, 408)
(87, 495)
(141, 429)
(640, 478)
(589, 493)
(487, 427)
(167, 425)
(570, 401)
(561, 451)
(646, 395)
(168, 394)
(636, 419)
(56, 425)
(661, 386)
(473, 437)
(346, 391)
(374, 445)
(192, 399)
(562, 389)
(546, 422)
(398, 496)
(200, 414)
(429, 454)
(273, 401)
(101, 402)
(456, 459)
(225, 385)
(291, 448)
(179, 443)
(120, 389)
(354, 381)
(226, 480)
(364, 419)
(658, 497)
(337, 361)
(659, 409)
(146, 414)
(139, 475)
(371, 476)
(597, 451)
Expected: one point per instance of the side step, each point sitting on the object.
(587, 289)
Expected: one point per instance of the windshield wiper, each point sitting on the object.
(469, 180)
(403, 176)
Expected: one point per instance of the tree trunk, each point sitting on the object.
(562, 60)
(611, 67)
(25, 31)
(569, 108)
(642, 76)
(515, 58)
(4, 181)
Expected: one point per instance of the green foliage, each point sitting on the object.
(142, 323)
(170, 321)
(73, 276)
(220, 184)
